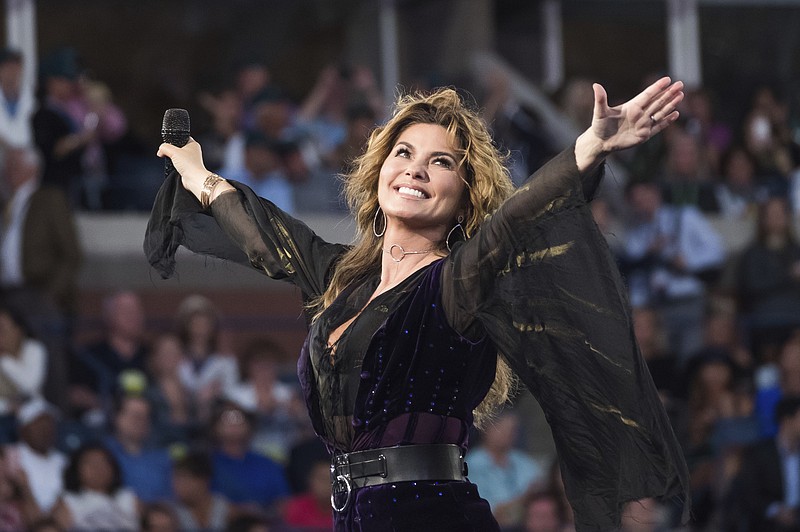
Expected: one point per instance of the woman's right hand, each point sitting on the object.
(188, 161)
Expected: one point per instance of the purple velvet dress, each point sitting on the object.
(535, 283)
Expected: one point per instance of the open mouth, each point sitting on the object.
(407, 191)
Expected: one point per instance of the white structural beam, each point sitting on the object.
(390, 48)
(21, 35)
(683, 41)
(553, 45)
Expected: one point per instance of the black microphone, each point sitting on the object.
(175, 130)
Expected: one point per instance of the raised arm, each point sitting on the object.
(210, 215)
(539, 280)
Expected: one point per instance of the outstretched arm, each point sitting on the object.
(629, 124)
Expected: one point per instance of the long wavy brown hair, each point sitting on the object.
(484, 172)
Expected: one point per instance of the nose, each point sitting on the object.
(415, 170)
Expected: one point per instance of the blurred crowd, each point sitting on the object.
(162, 429)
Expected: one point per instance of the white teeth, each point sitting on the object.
(411, 192)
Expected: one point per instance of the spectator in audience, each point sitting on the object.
(34, 460)
(94, 497)
(669, 254)
(776, 380)
(768, 280)
(174, 417)
(766, 493)
(57, 133)
(361, 120)
(517, 130)
(722, 332)
(553, 483)
(196, 506)
(146, 469)
(101, 369)
(312, 509)
(252, 79)
(302, 456)
(279, 412)
(323, 114)
(652, 340)
(713, 135)
(768, 137)
(687, 179)
(503, 473)
(204, 371)
(263, 171)
(245, 478)
(714, 404)
(223, 145)
(275, 117)
(95, 104)
(738, 192)
(17, 102)
(12, 502)
(40, 257)
(543, 513)
(23, 361)
(159, 517)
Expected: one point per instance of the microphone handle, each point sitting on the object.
(176, 138)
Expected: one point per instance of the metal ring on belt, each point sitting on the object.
(403, 463)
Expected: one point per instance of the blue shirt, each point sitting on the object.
(253, 478)
(273, 186)
(498, 484)
(148, 474)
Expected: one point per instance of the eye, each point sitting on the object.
(402, 151)
(444, 162)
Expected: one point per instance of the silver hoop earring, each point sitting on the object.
(375, 223)
(457, 227)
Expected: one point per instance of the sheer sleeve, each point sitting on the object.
(239, 227)
(539, 279)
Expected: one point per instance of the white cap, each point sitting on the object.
(33, 408)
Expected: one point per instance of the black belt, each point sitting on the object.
(404, 463)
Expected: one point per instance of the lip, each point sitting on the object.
(397, 188)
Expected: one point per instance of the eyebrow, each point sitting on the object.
(433, 154)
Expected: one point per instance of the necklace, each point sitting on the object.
(397, 256)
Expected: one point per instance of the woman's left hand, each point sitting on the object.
(629, 124)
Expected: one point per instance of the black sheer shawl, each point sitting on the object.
(539, 278)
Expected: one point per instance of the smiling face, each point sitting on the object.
(420, 185)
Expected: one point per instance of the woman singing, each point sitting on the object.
(453, 285)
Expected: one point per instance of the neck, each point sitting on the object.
(200, 504)
(130, 445)
(406, 251)
(499, 456)
(123, 345)
(234, 449)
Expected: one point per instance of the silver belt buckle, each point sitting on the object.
(340, 483)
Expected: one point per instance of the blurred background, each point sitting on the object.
(702, 221)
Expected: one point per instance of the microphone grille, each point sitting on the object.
(176, 126)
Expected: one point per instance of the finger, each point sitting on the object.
(163, 150)
(600, 100)
(645, 98)
(667, 106)
(662, 124)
